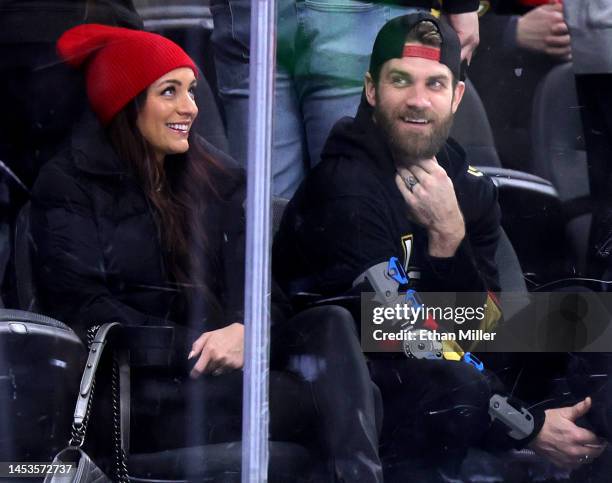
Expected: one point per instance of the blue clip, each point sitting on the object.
(470, 358)
(412, 299)
(396, 271)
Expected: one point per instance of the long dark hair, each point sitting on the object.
(180, 191)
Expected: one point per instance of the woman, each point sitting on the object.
(138, 222)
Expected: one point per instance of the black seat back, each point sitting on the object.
(40, 367)
(472, 129)
(531, 214)
(560, 154)
(510, 272)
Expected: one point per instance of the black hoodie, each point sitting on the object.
(348, 215)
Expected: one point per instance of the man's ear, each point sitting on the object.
(370, 89)
(457, 96)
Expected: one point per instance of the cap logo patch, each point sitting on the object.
(423, 51)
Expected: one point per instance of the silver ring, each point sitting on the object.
(410, 182)
(217, 372)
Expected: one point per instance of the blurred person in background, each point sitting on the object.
(521, 41)
(323, 48)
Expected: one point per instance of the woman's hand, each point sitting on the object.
(218, 351)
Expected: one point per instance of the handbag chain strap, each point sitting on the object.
(120, 458)
(78, 430)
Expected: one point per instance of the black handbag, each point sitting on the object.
(84, 469)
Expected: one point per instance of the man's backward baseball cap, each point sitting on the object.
(390, 44)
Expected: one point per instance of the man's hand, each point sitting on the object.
(219, 351)
(565, 444)
(544, 30)
(466, 26)
(433, 204)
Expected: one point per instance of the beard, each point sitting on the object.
(409, 146)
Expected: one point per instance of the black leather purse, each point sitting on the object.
(84, 469)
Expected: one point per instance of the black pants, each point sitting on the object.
(434, 410)
(320, 395)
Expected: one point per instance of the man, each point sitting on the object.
(391, 183)
(322, 52)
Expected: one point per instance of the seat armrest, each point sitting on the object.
(532, 216)
(512, 179)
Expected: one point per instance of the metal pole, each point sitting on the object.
(257, 281)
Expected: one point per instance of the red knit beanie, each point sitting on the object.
(119, 63)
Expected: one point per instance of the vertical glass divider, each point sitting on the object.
(255, 420)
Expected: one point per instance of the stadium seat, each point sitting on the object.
(40, 366)
(473, 131)
(531, 207)
(560, 155)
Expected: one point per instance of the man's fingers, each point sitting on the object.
(559, 29)
(562, 52)
(585, 455)
(419, 172)
(412, 178)
(411, 184)
(594, 452)
(579, 409)
(406, 193)
(585, 438)
(429, 165)
(400, 182)
(558, 41)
